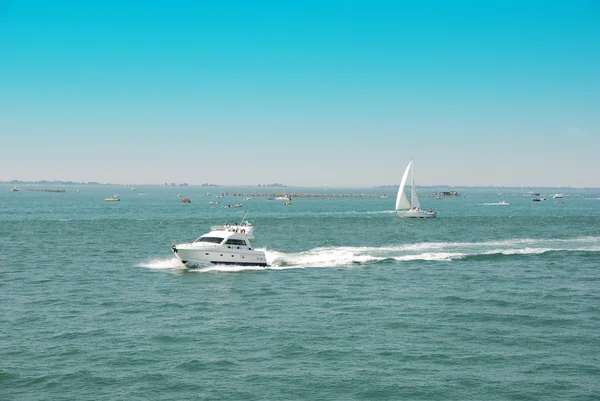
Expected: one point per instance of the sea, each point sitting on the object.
(485, 302)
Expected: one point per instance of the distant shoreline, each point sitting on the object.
(214, 186)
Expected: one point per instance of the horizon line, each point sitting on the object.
(273, 185)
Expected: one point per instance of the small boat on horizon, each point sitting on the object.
(15, 189)
(284, 197)
(114, 198)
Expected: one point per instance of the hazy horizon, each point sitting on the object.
(318, 94)
(274, 185)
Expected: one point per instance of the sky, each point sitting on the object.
(303, 93)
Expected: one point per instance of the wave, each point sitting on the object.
(428, 251)
(336, 257)
(167, 263)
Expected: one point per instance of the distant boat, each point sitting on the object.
(284, 197)
(214, 203)
(411, 209)
(383, 196)
(186, 200)
(114, 198)
(15, 189)
(236, 205)
(287, 203)
(558, 196)
(501, 203)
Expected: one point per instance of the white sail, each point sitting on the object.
(414, 199)
(403, 206)
(401, 199)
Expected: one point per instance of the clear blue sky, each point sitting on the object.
(306, 93)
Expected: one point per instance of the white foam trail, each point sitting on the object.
(428, 251)
(167, 263)
(321, 257)
(501, 243)
(434, 251)
(524, 251)
(441, 256)
(225, 268)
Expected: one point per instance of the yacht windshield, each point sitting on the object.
(213, 240)
(235, 242)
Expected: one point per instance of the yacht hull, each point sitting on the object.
(220, 256)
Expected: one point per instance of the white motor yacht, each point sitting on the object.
(222, 245)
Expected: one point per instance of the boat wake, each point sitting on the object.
(427, 251)
(166, 263)
(336, 257)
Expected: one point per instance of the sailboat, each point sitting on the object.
(284, 197)
(411, 209)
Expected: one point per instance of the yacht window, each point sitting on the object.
(232, 241)
(214, 240)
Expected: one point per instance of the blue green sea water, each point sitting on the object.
(486, 302)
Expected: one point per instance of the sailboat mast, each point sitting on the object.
(412, 185)
(414, 200)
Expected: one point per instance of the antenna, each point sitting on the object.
(244, 218)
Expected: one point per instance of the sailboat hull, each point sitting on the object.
(416, 214)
